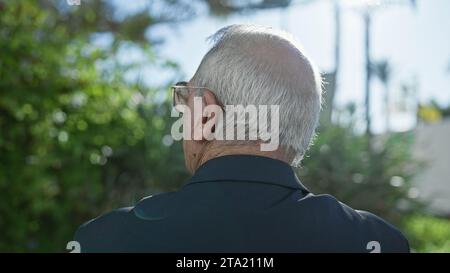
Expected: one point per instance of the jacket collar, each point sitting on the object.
(248, 168)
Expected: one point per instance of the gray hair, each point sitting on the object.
(256, 65)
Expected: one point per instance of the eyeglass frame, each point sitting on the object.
(184, 86)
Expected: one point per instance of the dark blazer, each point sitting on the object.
(240, 204)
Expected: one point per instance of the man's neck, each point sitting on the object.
(214, 149)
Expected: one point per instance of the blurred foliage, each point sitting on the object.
(104, 16)
(75, 140)
(432, 112)
(427, 233)
(223, 8)
(429, 114)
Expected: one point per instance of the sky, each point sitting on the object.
(415, 41)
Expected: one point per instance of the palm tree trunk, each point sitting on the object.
(387, 114)
(331, 77)
(367, 25)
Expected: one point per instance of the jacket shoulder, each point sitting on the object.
(156, 207)
(100, 234)
(391, 238)
(357, 228)
(111, 232)
(374, 230)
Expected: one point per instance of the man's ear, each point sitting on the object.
(212, 113)
(209, 98)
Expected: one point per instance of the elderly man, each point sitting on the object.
(244, 197)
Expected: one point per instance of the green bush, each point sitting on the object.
(75, 140)
(427, 233)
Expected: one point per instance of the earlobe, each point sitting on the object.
(214, 115)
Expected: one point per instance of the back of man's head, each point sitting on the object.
(255, 65)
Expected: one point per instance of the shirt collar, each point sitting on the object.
(248, 168)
